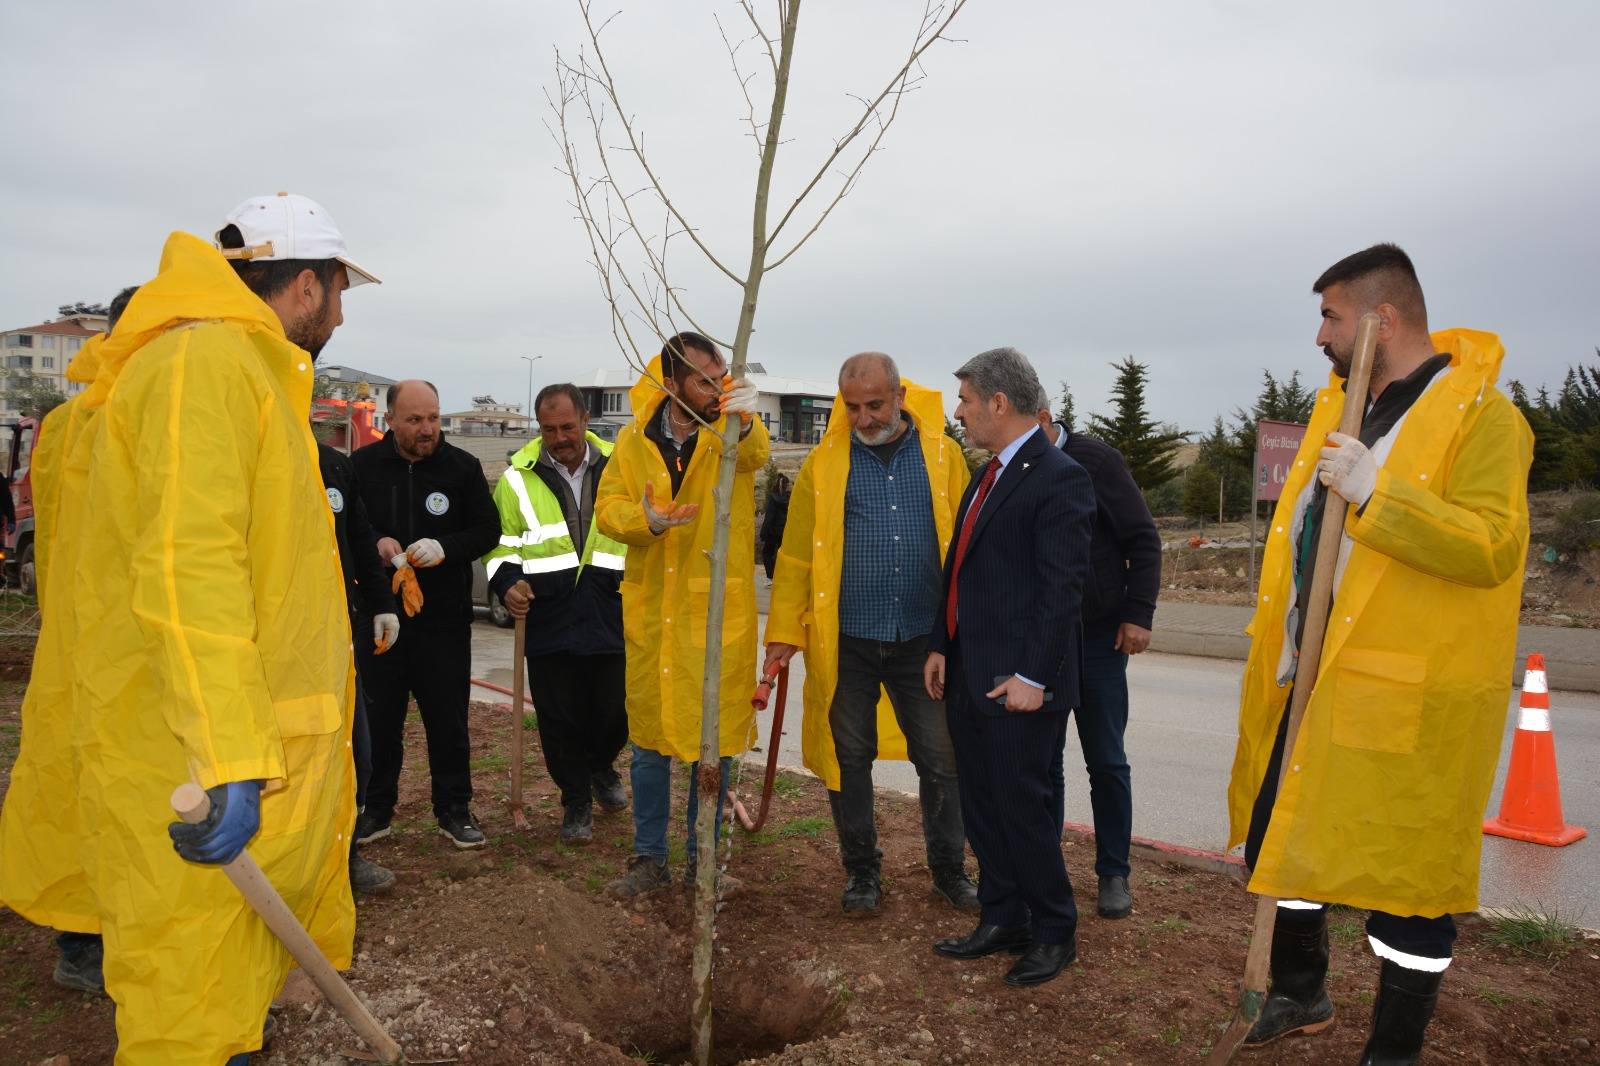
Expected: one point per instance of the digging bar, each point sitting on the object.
(1253, 993)
(519, 644)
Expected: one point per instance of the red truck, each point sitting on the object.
(19, 540)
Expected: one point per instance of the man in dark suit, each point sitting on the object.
(1006, 655)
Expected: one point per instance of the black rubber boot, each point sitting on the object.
(1297, 999)
(1406, 999)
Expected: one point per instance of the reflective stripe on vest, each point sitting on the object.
(545, 546)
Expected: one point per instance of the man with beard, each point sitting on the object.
(433, 515)
(661, 477)
(1382, 801)
(554, 568)
(197, 576)
(856, 587)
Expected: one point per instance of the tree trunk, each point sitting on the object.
(710, 778)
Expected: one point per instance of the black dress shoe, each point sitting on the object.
(1115, 899)
(985, 940)
(1042, 963)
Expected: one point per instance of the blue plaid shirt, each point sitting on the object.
(890, 584)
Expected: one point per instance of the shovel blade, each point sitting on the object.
(406, 1060)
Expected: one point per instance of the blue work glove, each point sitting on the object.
(234, 818)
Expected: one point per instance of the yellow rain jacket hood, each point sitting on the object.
(211, 644)
(666, 586)
(1385, 790)
(805, 583)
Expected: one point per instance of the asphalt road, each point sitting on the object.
(1180, 740)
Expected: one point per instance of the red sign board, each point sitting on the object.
(1276, 446)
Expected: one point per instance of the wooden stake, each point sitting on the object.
(1253, 994)
(519, 644)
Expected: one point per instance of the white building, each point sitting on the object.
(42, 353)
(794, 410)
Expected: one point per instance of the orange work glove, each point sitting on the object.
(405, 586)
(739, 397)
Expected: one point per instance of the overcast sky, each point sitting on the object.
(1082, 181)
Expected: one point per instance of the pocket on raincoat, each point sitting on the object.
(304, 725)
(1377, 700)
(734, 627)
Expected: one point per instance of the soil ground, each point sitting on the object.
(513, 954)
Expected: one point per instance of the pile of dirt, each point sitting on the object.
(513, 954)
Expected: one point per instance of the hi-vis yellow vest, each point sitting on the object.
(533, 530)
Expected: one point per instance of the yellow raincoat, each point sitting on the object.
(805, 583)
(39, 877)
(211, 644)
(1384, 796)
(666, 585)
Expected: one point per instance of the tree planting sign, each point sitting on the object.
(1276, 446)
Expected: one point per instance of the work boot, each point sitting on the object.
(862, 893)
(608, 793)
(461, 829)
(577, 824)
(1115, 899)
(79, 964)
(370, 827)
(956, 888)
(368, 878)
(1297, 1001)
(645, 876)
(1400, 1017)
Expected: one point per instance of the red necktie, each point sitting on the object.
(990, 472)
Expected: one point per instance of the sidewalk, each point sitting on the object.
(1571, 656)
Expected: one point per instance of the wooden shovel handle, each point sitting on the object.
(519, 665)
(192, 805)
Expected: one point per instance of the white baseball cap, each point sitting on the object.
(290, 226)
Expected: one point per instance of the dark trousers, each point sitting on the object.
(434, 665)
(864, 667)
(1102, 720)
(1429, 938)
(581, 704)
(1010, 807)
(361, 742)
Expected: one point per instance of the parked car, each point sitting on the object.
(483, 597)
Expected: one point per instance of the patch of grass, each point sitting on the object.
(765, 836)
(6, 941)
(1541, 936)
(843, 994)
(48, 1015)
(1157, 882)
(1493, 998)
(1346, 930)
(643, 1056)
(530, 721)
(1171, 924)
(676, 851)
(787, 786)
(1171, 1036)
(811, 826)
(494, 761)
(593, 882)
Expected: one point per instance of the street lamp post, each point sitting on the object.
(528, 411)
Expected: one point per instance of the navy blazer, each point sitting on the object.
(1023, 577)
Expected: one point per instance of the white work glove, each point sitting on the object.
(739, 398)
(1347, 467)
(425, 552)
(385, 631)
(676, 514)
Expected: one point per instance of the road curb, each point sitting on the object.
(1211, 862)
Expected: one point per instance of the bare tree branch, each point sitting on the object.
(938, 18)
(608, 83)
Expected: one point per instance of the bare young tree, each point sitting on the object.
(633, 224)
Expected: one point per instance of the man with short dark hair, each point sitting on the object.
(433, 515)
(1383, 798)
(1005, 655)
(856, 589)
(1119, 606)
(554, 568)
(660, 477)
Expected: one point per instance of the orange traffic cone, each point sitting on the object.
(1530, 806)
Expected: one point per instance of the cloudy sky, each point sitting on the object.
(1083, 181)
